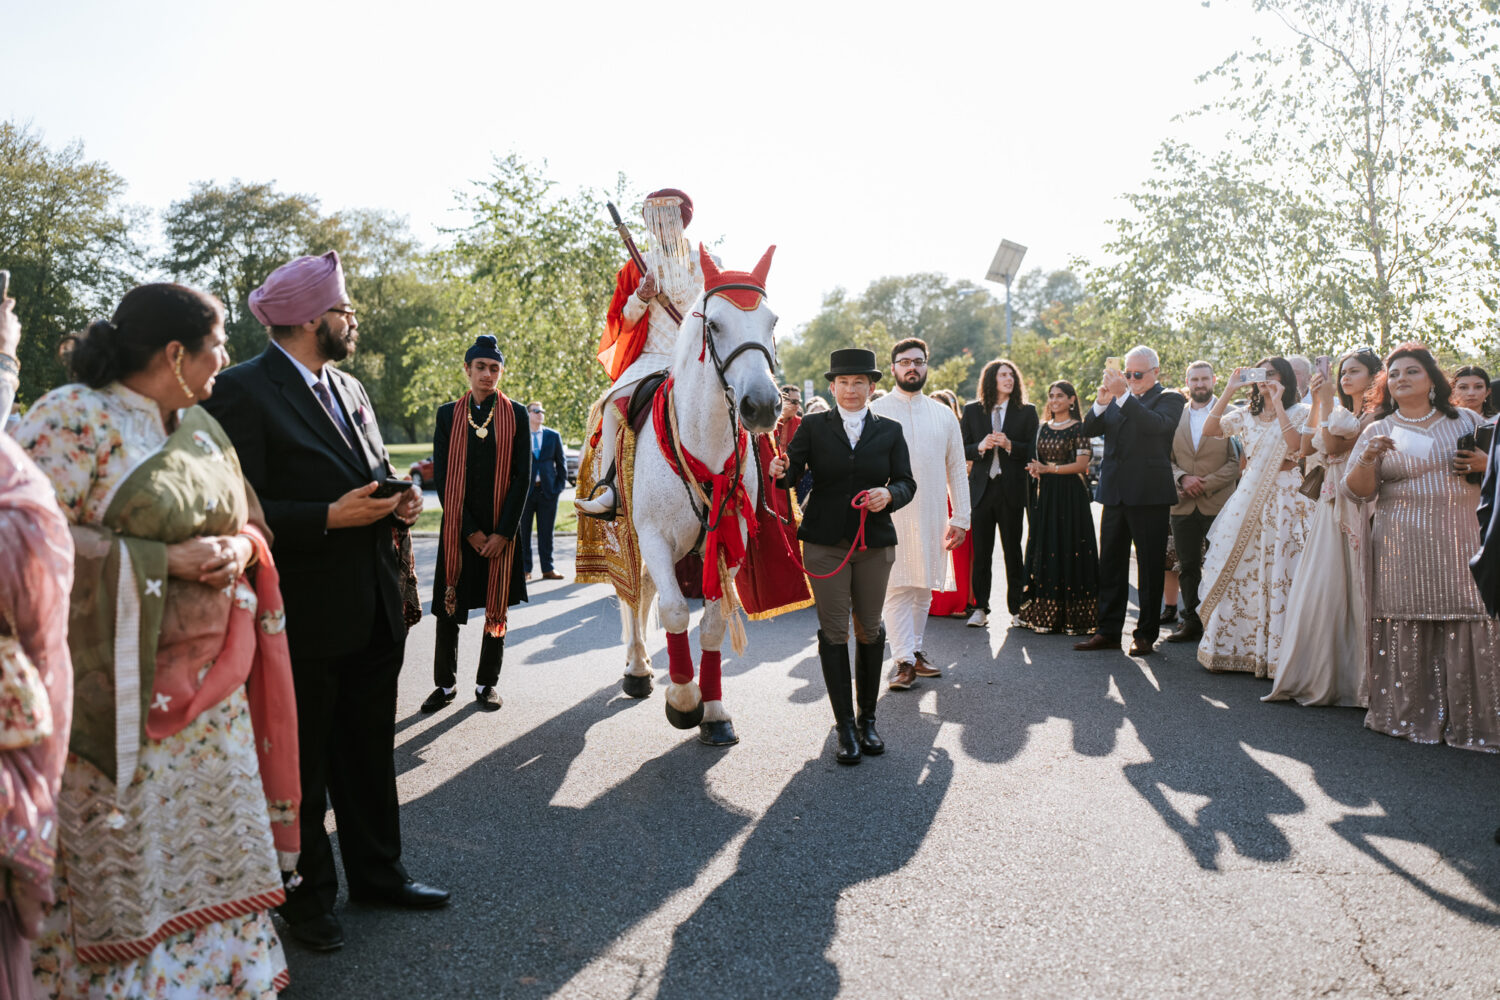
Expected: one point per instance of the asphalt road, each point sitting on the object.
(1045, 823)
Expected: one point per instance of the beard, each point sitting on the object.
(333, 348)
(1202, 395)
(912, 381)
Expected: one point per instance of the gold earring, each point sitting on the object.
(177, 370)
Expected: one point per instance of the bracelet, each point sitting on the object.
(10, 364)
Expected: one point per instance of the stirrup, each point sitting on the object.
(605, 483)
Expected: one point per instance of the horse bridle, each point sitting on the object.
(709, 520)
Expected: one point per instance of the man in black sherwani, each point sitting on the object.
(481, 461)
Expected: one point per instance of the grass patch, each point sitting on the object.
(431, 519)
(402, 455)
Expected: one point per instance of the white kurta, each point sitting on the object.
(937, 463)
(661, 335)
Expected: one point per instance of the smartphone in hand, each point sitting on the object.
(1324, 365)
(1113, 364)
(390, 488)
(1254, 374)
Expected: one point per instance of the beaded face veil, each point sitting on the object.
(673, 258)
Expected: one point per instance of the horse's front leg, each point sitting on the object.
(637, 682)
(684, 699)
(717, 729)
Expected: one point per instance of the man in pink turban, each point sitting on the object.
(308, 442)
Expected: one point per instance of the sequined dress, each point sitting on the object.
(1434, 654)
(1062, 555)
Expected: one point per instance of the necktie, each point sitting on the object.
(997, 421)
(536, 444)
(334, 413)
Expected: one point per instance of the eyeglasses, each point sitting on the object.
(347, 313)
(536, 411)
(909, 364)
(1137, 376)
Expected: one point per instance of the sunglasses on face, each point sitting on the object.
(1137, 376)
(538, 412)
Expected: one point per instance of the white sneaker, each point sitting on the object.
(978, 619)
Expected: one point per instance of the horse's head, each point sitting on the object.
(732, 330)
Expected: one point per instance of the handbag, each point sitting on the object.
(1312, 483)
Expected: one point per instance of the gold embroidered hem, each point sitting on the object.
(608, 551)
(189, 844)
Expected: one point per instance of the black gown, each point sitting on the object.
(1062, 554)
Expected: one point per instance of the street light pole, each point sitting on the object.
(1004, 268)
(1007, 315)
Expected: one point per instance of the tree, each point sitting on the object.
(1386, 115)
(68, 241)
(390, 282)
(537, 270)
(954, 318)
(227, 239)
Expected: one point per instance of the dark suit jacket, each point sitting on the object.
(299, 464)
(840, 472)
(1021, 427)
(1138, 431)
(549, 470)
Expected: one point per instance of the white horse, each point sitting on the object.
(722, 375)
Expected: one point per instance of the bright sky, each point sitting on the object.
(864, 139)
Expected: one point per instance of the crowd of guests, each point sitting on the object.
(228, 554)
(1316, 520)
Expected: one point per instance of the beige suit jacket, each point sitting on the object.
(1216, 461)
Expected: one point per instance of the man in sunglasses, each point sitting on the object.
(549, 477)
(1138, 420)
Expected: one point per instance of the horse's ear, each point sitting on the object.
(764, 267)
(710, 272)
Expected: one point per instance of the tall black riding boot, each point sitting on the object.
(835, 659)
(868, 657)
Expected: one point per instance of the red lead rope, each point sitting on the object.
(860, 500)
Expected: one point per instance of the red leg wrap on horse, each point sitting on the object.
(679, 658)
(709, 677)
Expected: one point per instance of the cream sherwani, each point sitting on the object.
(922, 564)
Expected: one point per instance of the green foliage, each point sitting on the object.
(67, 240)
(954, 318)
(537, 270)
(1358, 204)
(227, 239)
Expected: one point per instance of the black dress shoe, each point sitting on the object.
(320, 933)
(410, 895)
(488, 699)
(438, 699)
(1098, 641)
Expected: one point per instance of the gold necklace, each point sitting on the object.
(481, 431)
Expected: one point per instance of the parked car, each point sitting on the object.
(570, 457)
(421, 473)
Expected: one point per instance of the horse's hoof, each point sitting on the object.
(684, 720)
(636, 685)
(719, 733)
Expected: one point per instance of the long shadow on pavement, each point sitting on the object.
(764, 931)
(1204, 732)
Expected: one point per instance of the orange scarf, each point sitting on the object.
(497, 594)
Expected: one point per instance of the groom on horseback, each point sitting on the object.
(640, 331)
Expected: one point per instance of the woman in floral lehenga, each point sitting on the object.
(1256, 539)
(178, 810)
